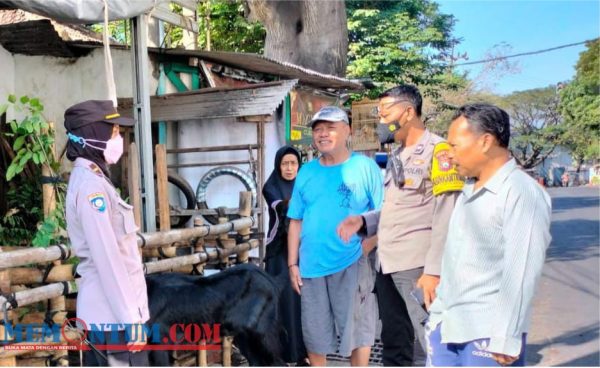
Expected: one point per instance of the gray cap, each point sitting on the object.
(330, 113)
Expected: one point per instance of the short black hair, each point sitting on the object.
(487, 118)
(408, 92)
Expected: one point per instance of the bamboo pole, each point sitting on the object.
(33, 362)
(40, 317)
(71, 305)
(29, 275)
(42, 293)
(245, 211)
(152, 240)
(202, 356)
(133, 183)
(227, 348)
(210, 255)
(5, 288)
(12, 353)
(156, 239)
(162, 186)
(33, 255)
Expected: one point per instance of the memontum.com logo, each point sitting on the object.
(111, 336)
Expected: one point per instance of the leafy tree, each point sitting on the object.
(393, 42)
(228, 27)
(580, 107)
(29, 143)
(536, 124)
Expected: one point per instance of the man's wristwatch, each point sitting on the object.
(363, 228)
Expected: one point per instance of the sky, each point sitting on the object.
(525, 25)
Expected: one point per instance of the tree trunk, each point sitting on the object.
(309, 33)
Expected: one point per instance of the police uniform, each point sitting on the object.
(102, 231)
(421, 187)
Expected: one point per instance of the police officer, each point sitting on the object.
(102, 230)
(421, 187)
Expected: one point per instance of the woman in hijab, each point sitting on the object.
(277, 192)
(102, 230)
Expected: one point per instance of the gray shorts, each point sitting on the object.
(343, 305)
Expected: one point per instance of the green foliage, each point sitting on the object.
(580, 106)
(399, 42)
(229, 29)
(118, 30)
(17, 225)
(32, 144)
(32, 140)
(536, 125)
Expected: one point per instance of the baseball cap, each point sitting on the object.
(329, 113)
(93, 111)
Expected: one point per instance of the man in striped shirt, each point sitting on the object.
(495, 249)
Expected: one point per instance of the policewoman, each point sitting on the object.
(102, 230)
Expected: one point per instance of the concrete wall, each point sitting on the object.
(7, 76)
(62, 82)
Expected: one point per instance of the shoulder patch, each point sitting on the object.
(98, 201)
(444, 176)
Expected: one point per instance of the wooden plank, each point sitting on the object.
(5, 289)
(163, 13)
(239, 147)
(133, 182)
(220, 163)
(162, 187)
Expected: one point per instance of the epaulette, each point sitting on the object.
(96, 169)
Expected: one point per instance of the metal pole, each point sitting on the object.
(141, 112)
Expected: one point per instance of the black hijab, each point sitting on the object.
(99, 131)
(277, 188)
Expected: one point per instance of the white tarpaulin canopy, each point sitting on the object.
(84, 11)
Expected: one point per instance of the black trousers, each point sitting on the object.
(397, 333)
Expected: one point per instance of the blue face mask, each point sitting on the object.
(386, 132)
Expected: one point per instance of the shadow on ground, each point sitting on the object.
(572, 338)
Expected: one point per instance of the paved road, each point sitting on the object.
(566, 315)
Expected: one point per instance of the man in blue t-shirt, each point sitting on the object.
(332, 276)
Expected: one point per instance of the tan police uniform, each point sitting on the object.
(102, 230)
(411, 229)
(413, 222)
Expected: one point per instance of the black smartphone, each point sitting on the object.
(417, 294)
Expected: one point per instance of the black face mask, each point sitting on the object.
(386, 132)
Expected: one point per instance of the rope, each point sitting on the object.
(49, 268)
(51, 179)
(65, 288)
(65, 253)
(108, 65)
(143, 239)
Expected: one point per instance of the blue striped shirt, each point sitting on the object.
(494, 254)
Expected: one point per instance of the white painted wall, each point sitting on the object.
(7, 77)
(62, 82)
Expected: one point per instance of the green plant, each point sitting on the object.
(32, 142)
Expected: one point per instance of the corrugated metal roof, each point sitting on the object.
(262, 64)
(257, 99)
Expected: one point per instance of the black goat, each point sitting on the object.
(243, 300)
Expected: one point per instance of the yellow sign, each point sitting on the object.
(296, 135)
(443, 174)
